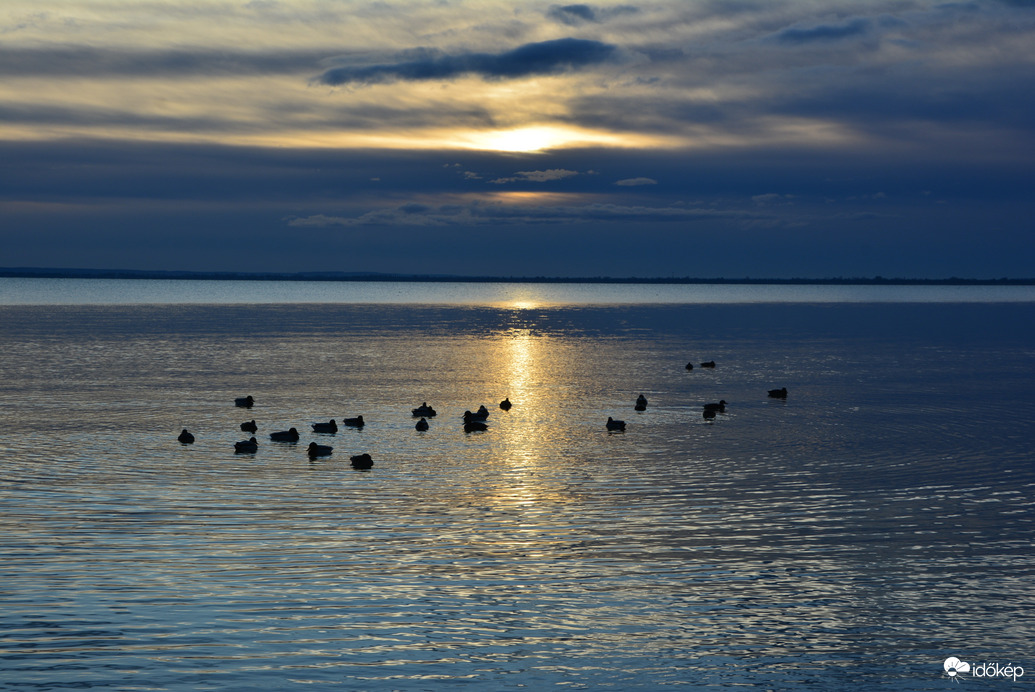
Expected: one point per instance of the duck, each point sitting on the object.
(720, 407)
(330, 427)
(285, 435)
(689, 366)
(780, 393)
(361, 461)
(708, 364)
(422, 424)
(481, 414)
(185, 437)
(314, 450)
(473, 423)
(356, 422)
(247, 447)
(613, 424)
(244, 402)
(641, 403)
(424, 411)
(250, 426)
(505, 404)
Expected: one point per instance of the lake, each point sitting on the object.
(873, 524)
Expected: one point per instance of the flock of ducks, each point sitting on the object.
(473, 422)
(315, 450)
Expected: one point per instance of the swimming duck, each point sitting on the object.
(250, 426)
(481, 414)
(708, 364)
(356, 422)
(689, 366)
(720, 407)
(314, 450)
(641, 403)
(247, 447)
(361, 461)
(330, 427)
(473, 423)
(285, 435)
(244, 402)
(422, 424)
(780, 393)
(185, 437)
(424, 411)
(613, 424)
(505, 404)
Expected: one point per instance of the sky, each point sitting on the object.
(664, 138)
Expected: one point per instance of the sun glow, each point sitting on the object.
(538, 138)
(524, 139)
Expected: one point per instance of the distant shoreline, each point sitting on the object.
(45, 273)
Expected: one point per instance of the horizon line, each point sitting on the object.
(222, 275)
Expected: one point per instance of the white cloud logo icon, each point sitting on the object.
(954, 666)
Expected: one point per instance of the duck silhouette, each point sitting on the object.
(329, 427)
(719, 407)
(423, 411)
(422, 424)
(244, 402)
(314, 450)
(505, 404)
(481, 414)
(285, 435)
(641, 403)
(613, 424)
(250, 426)
(780, 393)
(361, 461)
(247, 447)
(356, 422)
(185, 437)
(474, 423)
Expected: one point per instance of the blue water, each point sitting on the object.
(22, 291)
(857, 534)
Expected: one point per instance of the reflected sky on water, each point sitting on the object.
(874, 523)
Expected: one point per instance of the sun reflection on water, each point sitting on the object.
(522, 371)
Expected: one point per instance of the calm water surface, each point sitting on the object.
(857, 534)
(23, 291)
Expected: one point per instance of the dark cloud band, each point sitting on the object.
(546, 57)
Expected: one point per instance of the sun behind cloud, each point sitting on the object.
(536, 138)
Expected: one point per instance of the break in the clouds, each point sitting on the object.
(544, 57)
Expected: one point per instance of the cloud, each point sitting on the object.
(824, 32)
(634, 182)
(81, 61)
(771, 198)
(545, 57)
(497, 214)
(538, 176)
(573, 15)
